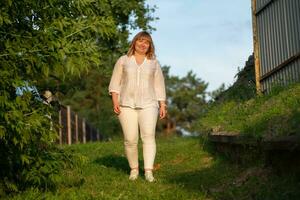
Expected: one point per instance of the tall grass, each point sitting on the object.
(272, 115)
(183, 171)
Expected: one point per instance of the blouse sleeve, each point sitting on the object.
(159, 84)
(116, 78)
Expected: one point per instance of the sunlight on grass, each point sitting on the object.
(273, 115)
(183, 171)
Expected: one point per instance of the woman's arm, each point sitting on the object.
(115, 100)
(115, 85)
(162, 109)
(116, 78)
(159, 85)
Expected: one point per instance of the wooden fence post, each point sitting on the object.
(83, 131)
(91, 130)
(65, 129)
(60, 126)
(69, 125)
(98, 135)
(76, 128)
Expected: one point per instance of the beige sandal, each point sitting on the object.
(149, 176)
(134, 173)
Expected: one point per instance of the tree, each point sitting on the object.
(186, 100)
(88, 94)
(46, 44)
(242, 89)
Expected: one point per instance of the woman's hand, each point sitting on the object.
(117, 108)
(116, 104)
(162, 110)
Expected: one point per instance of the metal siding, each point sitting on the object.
(261, 3)
(283, 76)
(289, 74)
(271, 46)
(289, 30)
(297, 71)
(296, 68)
(293, 74)
(281, 35)
(264, 87)
(276, 35)
(261, 30)
(293, 24)
(278, 30)
(297, 25)
(281, 45)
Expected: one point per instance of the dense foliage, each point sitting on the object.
(242, 89)
(186, 101)
(88, 94)
(47, 44)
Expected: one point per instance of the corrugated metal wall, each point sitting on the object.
(278, 34)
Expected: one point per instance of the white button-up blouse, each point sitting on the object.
(138, 86)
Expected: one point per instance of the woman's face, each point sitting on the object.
(141, 46)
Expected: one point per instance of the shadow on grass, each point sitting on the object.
(205, 179)
(114, 161)
(223, 180)
(117, 162)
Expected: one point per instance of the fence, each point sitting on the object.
(74, 129)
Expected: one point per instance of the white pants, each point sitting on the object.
(133, 120)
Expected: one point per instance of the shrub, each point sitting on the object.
(29, 156)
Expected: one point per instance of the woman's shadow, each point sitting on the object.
(117, 162)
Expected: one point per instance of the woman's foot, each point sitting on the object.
(149, 176)
(134, 173)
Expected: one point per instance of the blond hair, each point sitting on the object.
(142, 35)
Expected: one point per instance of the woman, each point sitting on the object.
(138, 90)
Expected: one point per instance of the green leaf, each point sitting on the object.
(25, 159)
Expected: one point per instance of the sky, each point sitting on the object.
(213, 38)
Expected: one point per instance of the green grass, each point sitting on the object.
(276, 114)
(184, 171)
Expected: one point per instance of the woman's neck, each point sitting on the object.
(137, 54)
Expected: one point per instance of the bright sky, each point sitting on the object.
(210, 37)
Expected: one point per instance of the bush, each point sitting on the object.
(29, 156)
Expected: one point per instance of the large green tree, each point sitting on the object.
(88, 94)
(186, 101)
(48, 44)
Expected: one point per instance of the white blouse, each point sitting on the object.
(138, 86)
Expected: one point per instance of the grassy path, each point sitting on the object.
(183, 171)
